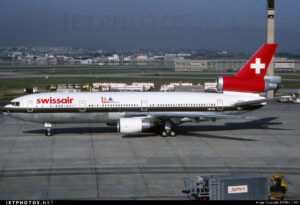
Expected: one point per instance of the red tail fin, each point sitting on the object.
(257, 66)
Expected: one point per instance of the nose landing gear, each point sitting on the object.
(48, 130)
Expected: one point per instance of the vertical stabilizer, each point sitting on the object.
(258, 64)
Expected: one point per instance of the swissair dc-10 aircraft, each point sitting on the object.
(134, 112)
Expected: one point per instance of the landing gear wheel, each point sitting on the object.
(164, 133)
(172, 133)
(48, 133)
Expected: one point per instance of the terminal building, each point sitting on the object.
(223, 65)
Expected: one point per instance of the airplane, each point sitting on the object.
(134, 112)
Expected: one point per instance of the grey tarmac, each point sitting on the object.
(93, 161)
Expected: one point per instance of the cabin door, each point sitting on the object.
(82, 106)
(144, 105)
(219, 104)
(30, 106)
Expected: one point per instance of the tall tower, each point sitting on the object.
(270, 37)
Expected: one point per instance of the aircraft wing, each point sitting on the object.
(181, 115)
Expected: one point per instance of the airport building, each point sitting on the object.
(287, 65)
(222, 65)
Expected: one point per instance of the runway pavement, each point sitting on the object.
(92, 161)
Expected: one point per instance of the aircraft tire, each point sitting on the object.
(172, 134)
(164, 133)
(48, 133)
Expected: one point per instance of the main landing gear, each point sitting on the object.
(168, 131)
(48, 130)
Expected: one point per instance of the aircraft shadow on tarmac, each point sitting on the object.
(262, 123)
(142, 135)
(76, 130)
(187, 130)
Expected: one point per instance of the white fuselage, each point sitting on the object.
(84, 107)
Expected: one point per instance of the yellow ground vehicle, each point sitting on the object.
(277, 187)
(86, 87)
(277, 184)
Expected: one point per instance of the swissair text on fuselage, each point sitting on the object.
(55, 101)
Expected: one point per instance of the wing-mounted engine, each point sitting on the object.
(252, 85)
(133, 125)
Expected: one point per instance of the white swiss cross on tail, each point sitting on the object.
(257, 66)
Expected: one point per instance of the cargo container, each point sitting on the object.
(227, 187)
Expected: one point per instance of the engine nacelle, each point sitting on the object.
(133, 125)
(237, 84)
(273, 79)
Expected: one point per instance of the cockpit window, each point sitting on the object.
(14, 103)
